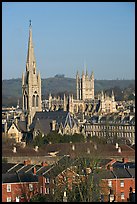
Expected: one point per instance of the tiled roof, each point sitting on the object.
(103, 150)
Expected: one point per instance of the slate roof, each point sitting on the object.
(106, 174)
(131, 172)
(121, 173)
(7, 166)
(17, 178)
(44, 125)
(22, 126)
(42, 120)
(115, 173)
(119, 164)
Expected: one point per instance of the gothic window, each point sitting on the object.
(24, 102)
(37, 101)
(33, 101)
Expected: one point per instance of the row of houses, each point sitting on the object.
(63, 122)
(21, 181)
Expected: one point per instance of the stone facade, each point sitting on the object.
(85, 86)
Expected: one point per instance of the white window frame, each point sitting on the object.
(47, 190)
(110, 183)
(17, 199)
(122, 196)
(47, 180)
(8, 187)
(122, 183)
(30, 186)
(8, 199)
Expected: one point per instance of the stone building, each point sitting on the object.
(31, 84)
(85, 101)
(112, 127)
(85, 86)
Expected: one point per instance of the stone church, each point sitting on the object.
(31, 84)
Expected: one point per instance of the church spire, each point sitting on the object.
(31, 62)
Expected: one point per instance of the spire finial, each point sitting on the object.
(29, 23)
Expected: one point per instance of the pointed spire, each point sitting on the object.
(112, 96)
(92, 75)
(31, 62)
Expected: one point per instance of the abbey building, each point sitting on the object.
(85, 101)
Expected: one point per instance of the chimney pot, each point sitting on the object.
(44, 163)
(26, 162)
(125, 160)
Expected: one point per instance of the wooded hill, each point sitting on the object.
(12, 91)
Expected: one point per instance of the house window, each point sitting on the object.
(122, 183)
(8, 188)
(46, 190)
(47, 180)
(30, 186)
(109, 183)
(17, 199)
(8, 199)
(122, 195)
(53, 191)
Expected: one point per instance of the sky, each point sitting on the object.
(70, 37)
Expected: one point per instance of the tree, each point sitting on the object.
(42, 198)
(84, 188)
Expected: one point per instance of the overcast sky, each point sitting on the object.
(68, 35)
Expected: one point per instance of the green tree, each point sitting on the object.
(42, 198)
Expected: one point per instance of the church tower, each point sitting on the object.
(85, 86)
(31, 84)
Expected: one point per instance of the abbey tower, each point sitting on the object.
(31, 84)
(85, 86)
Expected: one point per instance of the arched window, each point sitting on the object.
(27, 102)
(33, 101)
(37, 101)
(24, 102)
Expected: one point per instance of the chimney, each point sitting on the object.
(34, 170)
(95, 146)
(27, 162)
(110, 167)
(88, 151)
(14, 149)
(119, 150)
(116, 145)
(73, 147)
(53, 125)
(44, 163)
(36, 148)
(125, 160)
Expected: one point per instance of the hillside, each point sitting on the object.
(11, 89)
